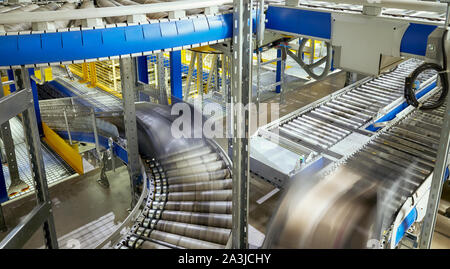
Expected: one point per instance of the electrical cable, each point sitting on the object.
(442, 73)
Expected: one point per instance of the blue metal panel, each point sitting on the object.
(12, 87)
(37, 110)
(96, 43)
(415, 39)
(393, 113)
(297, 21)
(176, 86)
(278, 72)
(142, 69)
(60, 88)
(406, 223)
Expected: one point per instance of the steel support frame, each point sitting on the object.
(429, 221)
(161, 79)
(42, 213)
(176, 84)
(8, 142)
(278, 72)
(128, 75)
(241, 91)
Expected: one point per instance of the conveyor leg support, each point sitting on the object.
(241, 91)
(176, 86)
(434, 198)
(129, 79)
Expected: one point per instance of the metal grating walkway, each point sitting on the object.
(55, 168)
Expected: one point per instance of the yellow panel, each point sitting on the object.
(70, 155)
(6, 90)
(47, 71)
(48, 74)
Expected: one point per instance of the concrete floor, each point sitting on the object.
(76, 202)
(81, 201)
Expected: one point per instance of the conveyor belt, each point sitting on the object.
(377, 178)
(328, 123)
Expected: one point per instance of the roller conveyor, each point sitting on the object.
(330, 122)
(189, 200)
(184, 214)
(390, 169)
(332, 127)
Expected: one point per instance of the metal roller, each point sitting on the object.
(202, 186)
(214, 195)
(154, 16)
(210, 234)
(4, 9)
(200, 168)
(111, 20)
(206, 176)
(152, 245)
(84, 5)
(196, 152)
(64, 24)
(194, 161)
(183, 241)
(26, 26)
(220, 207)
(215, 220)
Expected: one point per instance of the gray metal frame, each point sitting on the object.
(8, 142)
(22, 102)
(441, 165)
(161, 79)
(241, 92)
(128, 77)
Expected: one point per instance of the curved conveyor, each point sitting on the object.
(189, 199)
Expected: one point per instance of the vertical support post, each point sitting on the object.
(212, 72)
(200, 88)
(128, 79)
(3, 227)
(189, 76)
(440, 167)
(36, 102)
(37, 164)
(12, 87)
(92, 75)
(224, 75)
(94, 128)
(282, 90)
(176, 86)
(161, 79)
(67, 126)
(229, 106)
(258, 79)
(259, 38)
(3, 192)
(8, 143)
(85, 71)
(241, 92)
(278, 71)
